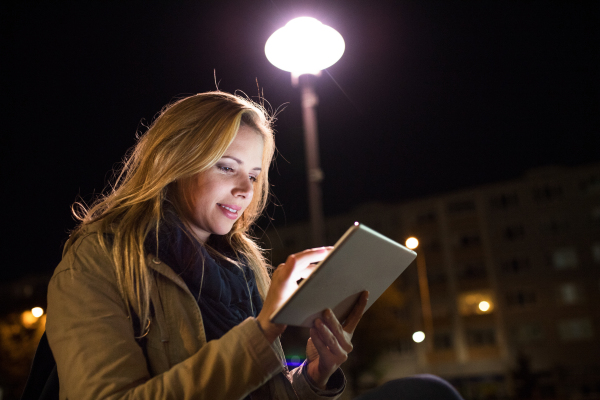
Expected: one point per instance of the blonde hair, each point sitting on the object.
(188, 137)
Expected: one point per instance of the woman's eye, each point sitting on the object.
(225, 169)
(253, 178)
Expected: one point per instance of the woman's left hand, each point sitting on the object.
(330, 342)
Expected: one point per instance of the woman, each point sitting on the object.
(161, 292)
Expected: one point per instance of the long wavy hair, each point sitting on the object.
(188, 137)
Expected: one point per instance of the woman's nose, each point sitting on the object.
(243, 188)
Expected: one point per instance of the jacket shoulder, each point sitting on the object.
(87, 254)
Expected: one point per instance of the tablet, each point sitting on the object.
(362, 259)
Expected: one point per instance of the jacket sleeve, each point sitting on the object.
(302, 386)
(97, 356)
(307, 390)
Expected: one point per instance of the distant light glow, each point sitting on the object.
(356, 223)
(304, 46)
(294, 361)
(412, 243)
(418, 336)
(484, 306)
(27, 319)
(37, 311)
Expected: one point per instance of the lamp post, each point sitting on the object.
(412, 243)
(304, 47)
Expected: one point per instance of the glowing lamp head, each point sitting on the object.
(304, 46)
(412, 243)
(484, 306)
(418, 336)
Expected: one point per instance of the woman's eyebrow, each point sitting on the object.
(241, 162)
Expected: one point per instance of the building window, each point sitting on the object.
(564, 258)
(592, 184)
(596, 252)
(513, 232)
(521, 298)
(442, 340)
(469, 240)
(472, 270)
(575, 329)
(596, 215)
(547, 193)
(404, 346)
(529, 332)
(481, 337)
(516, 265)
(570, 293)
(436, 276)
(460, 206)
(433, 245)
(504, 201)
(427, 217)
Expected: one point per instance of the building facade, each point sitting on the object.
(513, 271)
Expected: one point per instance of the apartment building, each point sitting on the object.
(513, 271)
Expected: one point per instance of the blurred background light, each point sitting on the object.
(484, 306)
(37, 311)
(412, 243)
(418, 336)
(28, 319)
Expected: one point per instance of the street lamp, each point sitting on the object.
(412, 243)
(304, 47)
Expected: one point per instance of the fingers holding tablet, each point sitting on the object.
(357, 312)
(283, 284)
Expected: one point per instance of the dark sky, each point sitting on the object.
(430, 96)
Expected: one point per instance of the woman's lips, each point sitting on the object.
(230, 210)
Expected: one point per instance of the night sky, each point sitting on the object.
(430, 96)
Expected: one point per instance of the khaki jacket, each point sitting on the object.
(92, 338)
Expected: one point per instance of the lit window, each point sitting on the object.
(596, 252)
(575, 329)
(529, 332)
(469, 302)
(564, 258)
(570, 293)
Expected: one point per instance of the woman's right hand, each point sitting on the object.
(283, 284)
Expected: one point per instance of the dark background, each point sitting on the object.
(429, 96)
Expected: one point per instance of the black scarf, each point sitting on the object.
(228, 294)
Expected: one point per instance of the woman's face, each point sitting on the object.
(220, 194)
